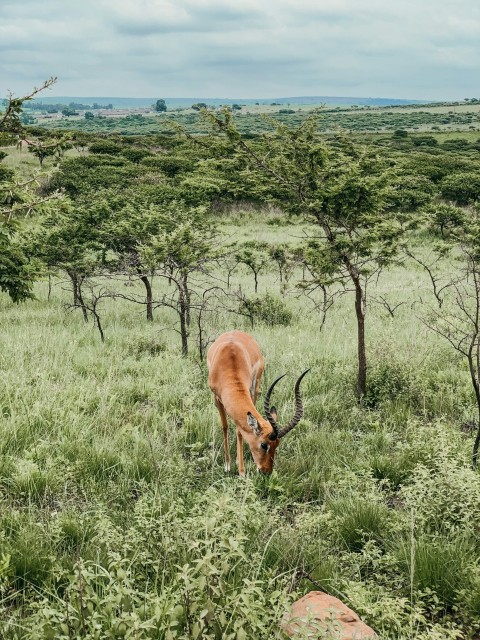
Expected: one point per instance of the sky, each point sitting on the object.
(418, 49)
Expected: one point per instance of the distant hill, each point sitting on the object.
(172, 103)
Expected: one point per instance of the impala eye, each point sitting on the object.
(264, 446)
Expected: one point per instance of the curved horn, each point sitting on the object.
(266, 405)
(298, 409)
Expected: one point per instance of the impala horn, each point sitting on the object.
(279, 432)
(268, 410)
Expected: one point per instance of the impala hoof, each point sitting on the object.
(227, 467)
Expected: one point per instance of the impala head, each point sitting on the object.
(267, 433)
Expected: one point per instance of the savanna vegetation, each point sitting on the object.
(443, 118)
(121, 259)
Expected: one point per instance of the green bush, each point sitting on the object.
(389, 381)
(461, 188)
(424, 141)
(411, 192)
(169, 576)
(170, 164)
(267, 309)
(145, 346)
(456, 144)
(105, 147)
(444, 496)
(136, 155)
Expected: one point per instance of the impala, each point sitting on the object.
(235, 366)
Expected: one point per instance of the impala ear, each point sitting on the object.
(274, 413)
(253, 424)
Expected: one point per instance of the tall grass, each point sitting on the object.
(116, 513)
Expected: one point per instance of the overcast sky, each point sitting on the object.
(242, 48)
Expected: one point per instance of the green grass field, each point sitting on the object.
(118, 520)
(251, 119)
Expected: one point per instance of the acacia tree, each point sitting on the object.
(67, 241)
(340, 186)
(181, 254)
(49, 148)
(129, 226)
(16, 273)
(18, 198)
(457, 319)
(253, 255)
(11, 127)
(132, 224)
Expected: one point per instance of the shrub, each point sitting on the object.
(171, 576)
(5, 173)
(388, 381)
(136, 155)
(461, 188)
(267, 309)
(455, 144)
(170, 165)
(425, 141)
(105, 146)
(411, 192)
(444, 496)
(141, 346)
(444, 217)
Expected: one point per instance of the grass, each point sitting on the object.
(25, 163)
(116, 512)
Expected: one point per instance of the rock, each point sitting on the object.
(319, 612)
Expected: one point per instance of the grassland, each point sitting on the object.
(118, 520)
(251, 119)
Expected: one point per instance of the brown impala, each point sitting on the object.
(235, 367)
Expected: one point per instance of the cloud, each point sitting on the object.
(147, 17)
(243, 48)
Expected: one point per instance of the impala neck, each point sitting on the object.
(237, 404)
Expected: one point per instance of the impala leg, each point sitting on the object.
(241, 466)
(223, 418)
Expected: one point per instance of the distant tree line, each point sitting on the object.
(59, 106)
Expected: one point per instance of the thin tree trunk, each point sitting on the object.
(362, 356)
(186, 294)
(149, 297)
(77, 292)
(474, 360)
(73, 277)
(183, 322)
(477, 439)
(99, 325)
(359, 310)
(80, 298)
(476, 386)
(360, 313)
